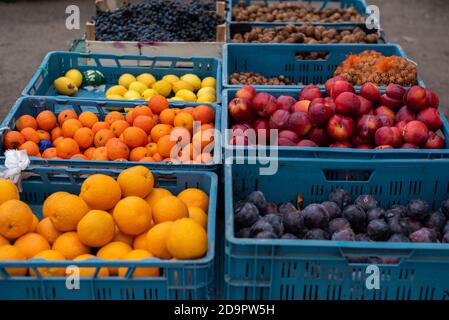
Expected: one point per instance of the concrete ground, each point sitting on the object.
(32, 28)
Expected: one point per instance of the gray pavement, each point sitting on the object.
(29, 29)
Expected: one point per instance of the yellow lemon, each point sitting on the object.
(209, 82)
(175, 99)
(132, 95)
(193, 79)
(147, 94)
(126, 79)
(115, 97)
(137, 86)
(186, 95)
(206, 90)
(206, 97)
(117, 89)
(65, 86)
(76, 76)
(181, 84)
(162, 87)
(170, 78)
(147, 79)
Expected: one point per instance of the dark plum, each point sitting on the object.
(316, 234)
(400, 208)
(341, 197)
(424, 235)
(362, 237)
(392, 214)
(344, 235)
(333, 209)
(375, 213)
(238, 205)
(246, 215)
(243, 233)
(413, 225)
(271, 208)
(289, 236)
(366, 202)
(287, 207)
(399, 237)
(356, 217)
(378, 230)
(436, 221)
(417, 209)
(446, 228)
(338, 224)
(276, 221)
(315, 216)
(265, 235)
(258, 199)
(445, 208)
(446, 238)
(294, 223)
(399, 225)
(259, 226)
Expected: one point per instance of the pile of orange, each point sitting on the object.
(123, 219)
(147, 133)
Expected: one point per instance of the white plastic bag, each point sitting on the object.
(15, 162)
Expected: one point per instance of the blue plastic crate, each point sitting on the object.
(326, 270)
(34, 105)
(56, 64)
(325, 152)
(272, 60)
(360, 5)
(179, 279)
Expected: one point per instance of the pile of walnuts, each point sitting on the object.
(253, 78)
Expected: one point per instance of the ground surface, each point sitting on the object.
(29, 29)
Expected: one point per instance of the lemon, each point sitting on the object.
(132, 95)
(76, 76)
(147, 79)
(170, 78)
(209, 82)
(162, 87)
(175, 99)
(65, 86)
(186, 95)
(206, 97)
(137, 86)
(117, 89)
(147, 94)
(206, 90)
(181, 84)
(114, 96)
(193, 79)
(126, 79)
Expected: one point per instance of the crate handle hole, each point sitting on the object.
(347, 175)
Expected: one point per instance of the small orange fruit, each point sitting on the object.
(113, 116)
(156, 239)
(136, 181)
(30, 135)
(157, 104)
(100, 192)
(167, 116)
(102, 137)
(138, 153)
(193, 197)
(96, 228)
(79, 156)
(130, 117)
(84, 137)
(117, 149)
(13, 140)
(114, 251)
(90, 271)
(70, 245)
(70, 126)
(3, 241)
(46, 120)
(67, 147)
(166, 146)
(141, 111)
(145, 123)
(140, 241)
(66, 115)
(157, 194)
(89, 152)
(183, 119)
(11, 253)
(187, 239)
(132, 215)
(51, 200)
(9, 191)
(134, 137)
(198, 215)
(147, 159)
(43, 135)
(203, 113)
(160, 130)
(34, 224)
(26, 121)
(100, 125)
(157, 157)
(31, 244)
(16, 219)
(125, 238)
(66, 210)
(51, 255)
(203, 139)
(169, 208)
(56, 133)
(57, 141)
(119, 126)
(181, 135)
(31, 148)
(151, 148)
(100, 154)
(187, 110)
(139, 254)
(88, 119)
(46, 229)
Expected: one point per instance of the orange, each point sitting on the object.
(113, 116)
(13, 140)
(136, 181)
(147, 159)
(67, 147)
(90, 271)
(9, 191)
(46, 229)
(51, 255)
(193, 197)
(139, 272)
(49, 153)
(84, 137)
(157, 104)
(199, 216)
(157, 157)
(130, 117)
(187, 110)
(96, 228)
(187, 239)
(203, 113)
(117, 149)
(31, 244)
(160, 130)
(165, 146)
(70, 126)
(138, 153)
(66, 115)
(89, 152)
(30, 135)
(140, 242)
(151, 148)
(157, 194)
(43, 135)
(79, 156)
(169, 208)
(114, 251)
(100, 154)
(102, 137)
(156, 239)
(100, 125)
(70, 245)
(141, 111)
(16, 219)
(46, 120)
(88, 119)
(57, 141)
(26, 121)
(134, 137)
(11, 253)
(34, 224)
(167, 116)
(31, 148)
(66, 211)
(203, 139)
(183, 119)
(132, 215)
(120, 236)
(206, 126)
(51, 200)
(119, 126)
(56, 133)
(100, 192)
(145, 123)
(3, 241)
(187, 153)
